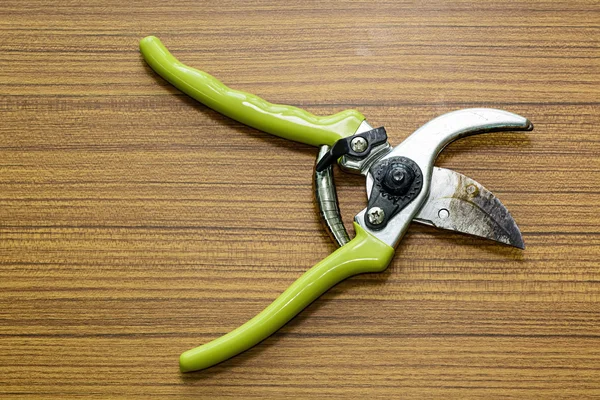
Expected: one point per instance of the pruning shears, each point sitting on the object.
(402, 184)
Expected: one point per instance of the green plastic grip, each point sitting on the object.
(285, 121)
(364, 253)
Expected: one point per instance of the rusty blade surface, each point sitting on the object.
(460, 204)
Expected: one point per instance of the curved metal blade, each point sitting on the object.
(460, 204)
(424, 145)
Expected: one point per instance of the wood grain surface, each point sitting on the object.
(136, 224)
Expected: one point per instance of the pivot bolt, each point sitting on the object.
(359, 144)
(397, 175)
(398, 179)
(375, 215)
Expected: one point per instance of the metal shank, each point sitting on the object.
(324, 186)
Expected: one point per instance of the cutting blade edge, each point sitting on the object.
(461, 204)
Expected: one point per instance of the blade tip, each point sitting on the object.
(529, 126)
(518, 242)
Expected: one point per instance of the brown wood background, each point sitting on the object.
(136, 224)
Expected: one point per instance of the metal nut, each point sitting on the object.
(359, 144)
(398, 175)
(375, 215)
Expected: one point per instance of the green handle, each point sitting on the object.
(281, 120)
(364, 253)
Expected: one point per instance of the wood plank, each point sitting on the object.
(136, 224)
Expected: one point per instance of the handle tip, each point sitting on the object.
(186, 363)
(201, 357)
(149, 41)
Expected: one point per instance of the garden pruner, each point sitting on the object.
(402, 186)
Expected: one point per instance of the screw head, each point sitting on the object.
(375, 215)
(358, 144)
(472, 189)
(398, 175)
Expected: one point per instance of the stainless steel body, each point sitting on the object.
(445, 200)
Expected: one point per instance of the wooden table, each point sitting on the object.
(136, 224)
